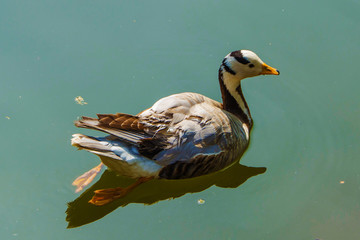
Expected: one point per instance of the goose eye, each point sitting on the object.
(251, 65)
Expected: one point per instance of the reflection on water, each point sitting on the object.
(81, 212)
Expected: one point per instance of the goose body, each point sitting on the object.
(183, 135)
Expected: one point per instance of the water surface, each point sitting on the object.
(121, 56)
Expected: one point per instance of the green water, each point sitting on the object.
(121, 56)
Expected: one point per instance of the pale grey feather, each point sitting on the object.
(201, 128)
(194, 127)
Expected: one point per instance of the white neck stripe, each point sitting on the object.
(232, 82)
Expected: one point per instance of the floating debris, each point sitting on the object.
(342, 182)
(201, 201)
(80, 100)
(7, 117)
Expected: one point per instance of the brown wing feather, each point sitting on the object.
(121, 121)
(132, 131)
(128, 128)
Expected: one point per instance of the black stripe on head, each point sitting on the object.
(239, 57)
(227, 68)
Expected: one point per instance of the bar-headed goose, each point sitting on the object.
(181, 136)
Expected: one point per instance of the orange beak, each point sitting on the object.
(267, 70)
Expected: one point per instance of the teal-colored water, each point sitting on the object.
(121, 56)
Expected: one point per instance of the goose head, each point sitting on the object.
(236, 66)
(245, 63)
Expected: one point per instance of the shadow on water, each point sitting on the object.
(80, 212)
